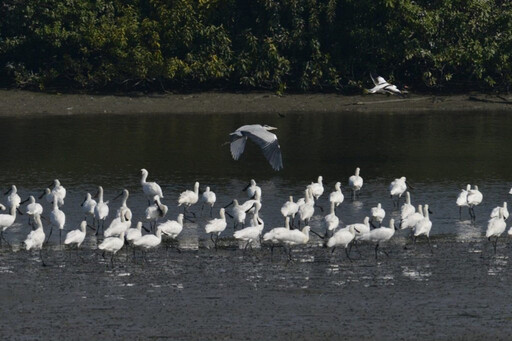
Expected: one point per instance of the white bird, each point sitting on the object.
(248, 205)
(117, 226)
(189, 198)
(260, 135)
(239, 214)
(331, 221)
(77, 236)
(57, 219)
(377, 214)
(423, 227)
(172, 228)
(413, 219)
(495, 227)
(252, 189)
(343, 238)
(496, 211)
(337, 196)
(48, 195)
(307, 210)
(361, 229)
(35, 238)
(6, 220)
(217, 225)
(156, 211)
(355, 182)
(58, 192)
(293, 237)
(474, 198)
(462, 199)
(149, 241)
(380, 235)
(150, 189)
(251, 233)
(33, 208)
(397, 188)
(209, 198)
(290, 209)
(317, 188)
(124, 209)
(100, 210)
(270, 236)
(134, 233)
(383, 87)
(112, 245)
(13, 199)
(88, 206)
(407, 209)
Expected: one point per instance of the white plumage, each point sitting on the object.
(172, 228)
(33, 207)
(331, 221)
(412, 219)
(35, 238)
(217, 225)
(337, 196)
(495, 228)
(208, 198)
(342, 237)
(307, 209)
(361, 229)
(117, 226)
(407, 209)
(379, 235)
(188, 197)
(251, 233)
(112, 245)
(58, 192)
(150, 189)
(13, 199)
(504, 210)
(88, 205)
(134, 233)
(317, 188)
(156, 211)
(76, 236)
(355, 182)
(423, 226)
(398, 187)
(57, 219)
(101, 209)
(289, 208)
(270, 236)
(149, 241)
(378, 214)
(252, 189)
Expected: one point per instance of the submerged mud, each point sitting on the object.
(460, 291)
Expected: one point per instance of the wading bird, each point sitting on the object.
(209, 198)
(462, 199)
(355, 182)
(217, 225)
(35, 238)
(262, 137)
(495, 227)
(150, 189)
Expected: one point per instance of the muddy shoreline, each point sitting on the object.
(23, 103)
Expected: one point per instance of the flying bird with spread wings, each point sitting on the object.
(260, 135)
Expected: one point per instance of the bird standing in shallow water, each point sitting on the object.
(262, 137)
(209, 198)
(150, 189)
(355, 182)
(35, 239)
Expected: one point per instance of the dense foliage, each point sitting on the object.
(302, 45)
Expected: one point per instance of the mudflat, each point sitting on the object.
(17, 102)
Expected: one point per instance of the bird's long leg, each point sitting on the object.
(41, 257)
(211, 211)
(216, 241)
(495, 243)
(347, 252)
(202, 208)
(429, 245)
(460, 212)
(332, 251)
(60, 236)
(49, 235)
(112, 260)
(376, 251)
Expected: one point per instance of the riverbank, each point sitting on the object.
(16, 103)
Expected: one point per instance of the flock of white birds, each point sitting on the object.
(120, 231)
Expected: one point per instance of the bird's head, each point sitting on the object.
(269, 127)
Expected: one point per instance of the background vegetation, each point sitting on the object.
(298, 45)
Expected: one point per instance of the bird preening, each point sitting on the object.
(261, 135)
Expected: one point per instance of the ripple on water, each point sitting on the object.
(416, 273)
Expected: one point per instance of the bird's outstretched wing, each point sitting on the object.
(237, 145)
(269, 146)
(264, 139)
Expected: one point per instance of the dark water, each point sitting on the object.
(461, 291)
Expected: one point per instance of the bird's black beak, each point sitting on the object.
(246, 187)
(117, 196)
(409, 185)
(83, 202)
(42, 195)
(92, 228)
(430, 211)
(24, 201)
(253, 205)
(96, 195)
(8, 191)
(231, 203)
(145, 228)
(356, 230)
